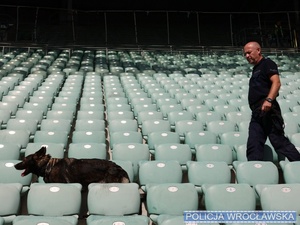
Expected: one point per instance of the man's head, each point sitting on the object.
(252, 52)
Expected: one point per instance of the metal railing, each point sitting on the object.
(52, 26)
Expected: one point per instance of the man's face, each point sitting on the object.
(252, 53)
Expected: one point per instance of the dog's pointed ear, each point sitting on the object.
(41, 152)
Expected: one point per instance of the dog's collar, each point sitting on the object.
(49, 167)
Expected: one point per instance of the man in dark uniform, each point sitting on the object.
(266, 120)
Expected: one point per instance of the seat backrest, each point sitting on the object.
(149, 126)
(128, 167)
(9, 151)
(87, 150)
(98, 115)
(206, 117)
(134, 152)
(54, 199)
(10, 194)
(220, 126)
(113, 199)
(59, 114)
(162, 137)
(165, 109)
(122, 125)
(229, 197)
(175, 116)
(159, 171)
(8, 174)
(208, 172)
(119, 137)
(171, 199)
(58, 137)
(30, 114)
(173, 151)
(256, 172)
(146, 115)
(214, 152)
(56, 150)
(89, 136)
(117, 115)
(291, 171)
(20, 137)
(234, 138)
(193, 138)
(89, 124)
(280, 197)
(184, 126)
(56, 124)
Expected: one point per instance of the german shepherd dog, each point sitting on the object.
(70, 170)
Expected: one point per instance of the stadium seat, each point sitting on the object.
(184, 126)
(208, 172)
(59, 114)
(193, 138)
(279, 197)
(5, 115)
(227, 197)
(167, 108)
(256, 172)
(30, 115)
(161, 137)
(111, 201)
(170, 220)
(56, 125)
(214, 152)
(206, 117)
(176, 116)
(9, 151)
(87, 151)
(36, 106)
(234, 139)
(97, 115)
(116, 115)
(11, 106)
(127, 166)
(89, 136)
(148, 115)
(220, 126)
(8, 174)
(133, 152)
(170, 199)
(173, 151)
(149, 126)
(58, 137)
(89, 125)
(61, 202)
(56, 150)
(122, 125)
(119, 137)
(11, 195)
(159, 172)
(20, 137)
(111, 220)
(290, 171)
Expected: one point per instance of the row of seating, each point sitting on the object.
(109, 203)
(102, 94)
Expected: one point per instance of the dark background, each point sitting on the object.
(198, 5)
(149, 23)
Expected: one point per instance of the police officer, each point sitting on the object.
(266, 120)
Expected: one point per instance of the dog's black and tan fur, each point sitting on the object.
(71, 170)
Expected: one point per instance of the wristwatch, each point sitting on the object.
(269, 100)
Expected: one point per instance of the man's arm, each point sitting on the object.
(266, 106)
